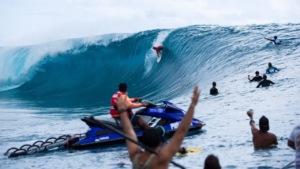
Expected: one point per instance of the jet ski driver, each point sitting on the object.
(114, 109)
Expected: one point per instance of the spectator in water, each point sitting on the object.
(265, 82)
(214, 90)
(256, 78)
(151, 137)
(212, 162)
(262, 139)
(164, 134)
(271, 68)
(294, 143)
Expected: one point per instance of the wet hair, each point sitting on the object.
(151, 138)
(211, 162)
(214, 83)
(265, 76)
(264, 124)
(153, 47)
(270, 65)
(275, 37)
(257, 72)
(123, 87)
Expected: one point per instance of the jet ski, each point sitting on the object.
(167, 114)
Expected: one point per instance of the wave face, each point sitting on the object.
(87, 71)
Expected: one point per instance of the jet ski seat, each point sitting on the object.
(116, 123)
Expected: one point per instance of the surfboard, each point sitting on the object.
(159, 56)
(192, 150)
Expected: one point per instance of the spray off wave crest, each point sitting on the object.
(87, 71)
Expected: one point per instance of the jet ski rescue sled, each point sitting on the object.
(167, 115)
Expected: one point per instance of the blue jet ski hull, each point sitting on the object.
(168, 115)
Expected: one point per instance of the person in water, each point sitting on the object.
(262, 139)
(151, 138)
(275, 40)
(158, 49)
(163, 135)
(114, 112)
(212, 162)
(265, 82)
(256, 78)
(271, 68)
(294, 143)
(214, 90)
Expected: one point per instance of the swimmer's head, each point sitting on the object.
(275, 37)
(270, 65)
(257, 72)
(153, 47)
(265, 77)
(214, 84)
(264, 124)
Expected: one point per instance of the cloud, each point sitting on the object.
(29, 22)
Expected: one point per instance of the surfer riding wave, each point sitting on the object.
(158, 49)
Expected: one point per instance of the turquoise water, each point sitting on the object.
(47, 88)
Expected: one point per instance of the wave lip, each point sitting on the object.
(20, 64)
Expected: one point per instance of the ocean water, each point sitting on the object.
(46, 88)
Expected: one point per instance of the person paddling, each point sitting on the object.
(151, 138)
(275, 40)
(271, 68)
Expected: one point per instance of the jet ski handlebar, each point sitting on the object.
(149, 104)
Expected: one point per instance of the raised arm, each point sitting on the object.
(249, 77)
(127, 127)
(253, 127)
(171, 149)
(268, 39)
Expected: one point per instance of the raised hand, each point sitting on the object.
(250, 114)
(196, 95)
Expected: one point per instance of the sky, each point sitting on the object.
(27, 22)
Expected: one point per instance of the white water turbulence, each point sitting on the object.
(151, 55)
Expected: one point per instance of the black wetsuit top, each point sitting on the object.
(214, 91)
(256, 78)
(265, 83)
